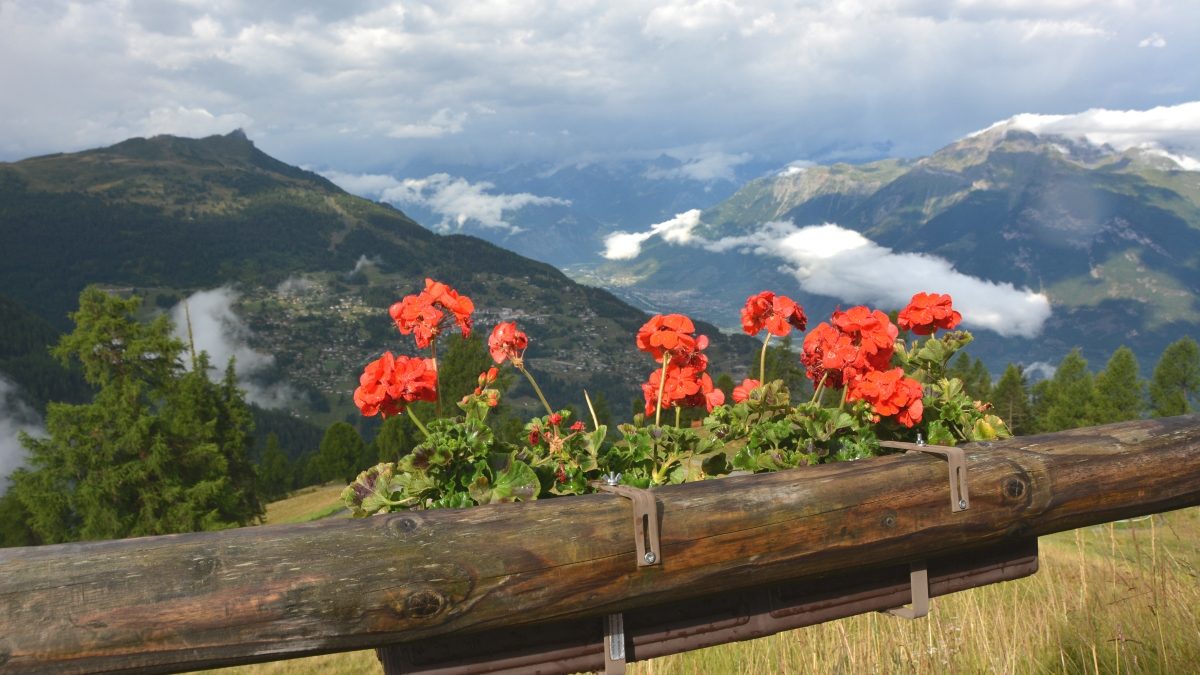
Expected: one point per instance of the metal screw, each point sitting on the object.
(962, 503)
(650, 557)
(612, 478)
(920, 439)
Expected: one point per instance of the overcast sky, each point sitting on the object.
(359, 85)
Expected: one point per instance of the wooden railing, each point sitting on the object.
(533, 578)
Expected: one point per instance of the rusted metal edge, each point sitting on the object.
(645, 521)
(960, 498)
(731, 616)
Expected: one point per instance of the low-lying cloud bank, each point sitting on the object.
(218, 330)
(15, 417)
(840, 263)
(1170, 131)
(456, 200)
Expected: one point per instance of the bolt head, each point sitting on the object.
(962, 503)
(650, 557)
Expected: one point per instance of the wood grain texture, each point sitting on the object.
(180, 602)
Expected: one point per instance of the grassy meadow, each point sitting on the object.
(1116, 598)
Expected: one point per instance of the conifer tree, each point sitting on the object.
(276, 475)
(1065, 401)
(1010, 399)
(1176, 381)
(158, 450)
(338, 457)
(1120, 393)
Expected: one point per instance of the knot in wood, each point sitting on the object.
(402, 526)
(424, 604)
(1014, 488)
(888, 521)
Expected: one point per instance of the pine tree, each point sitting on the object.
(1176, 380)
(396, 438)
(1066, 402)
(977, 381)
(1120, 393)
(1010, 399)
(158, 450)
(338, 457)
(276, 475)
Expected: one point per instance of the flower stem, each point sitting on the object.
(762, 361)
(437, 406)
(595, 420)
(820, 385)
(662, 383)
(678, 414)
(536, 389)
(412, 415)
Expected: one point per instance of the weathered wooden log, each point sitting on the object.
(199, 600)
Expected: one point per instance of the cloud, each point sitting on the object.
(15, 418)
(628, 245)
(366, 84)
(1170, 131)
(441, 123)
(296, 286)
(705, 168)
(456, 200)
(363, 261)
(840, 263)
(1153, 40)
(218, 330)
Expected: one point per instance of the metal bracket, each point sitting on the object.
(918, 577)
(614, 644)
(960, 498)
(645, 521)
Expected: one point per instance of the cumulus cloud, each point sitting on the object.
(627, 245)
(218, 330)
(840, 263)
(456, 200)
(15, 418)
(1171, 131)
(1153, 40)
(360, 84)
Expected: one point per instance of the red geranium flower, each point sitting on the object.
(685, 386)
(421, 315)
(777, 313)
(742, 391)
(670, 334)
(890, 394)
(508, 342)
(827, 353)
(389, 383)
(927, 312)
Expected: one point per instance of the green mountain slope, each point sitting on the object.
(1112, 238)
(314, 268)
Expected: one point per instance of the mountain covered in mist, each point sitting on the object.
(1048, 241)
(286, 271)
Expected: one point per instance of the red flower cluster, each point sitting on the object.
(927, 312)
(890, 394)
(389, 383)
(422, 314)
(687, 383)
(508, 342)
(777, 313)
(854, 343)
(742, 391)
(670, 334)
(686, 386)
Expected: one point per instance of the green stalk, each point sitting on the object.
(537, 390)
(678, 414)
(762, 361)
(820, 385)
(588, 399)
(437, 406)
(662, 383)
(412, 414)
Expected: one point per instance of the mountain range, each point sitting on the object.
(295, 273)
(1047, 241)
